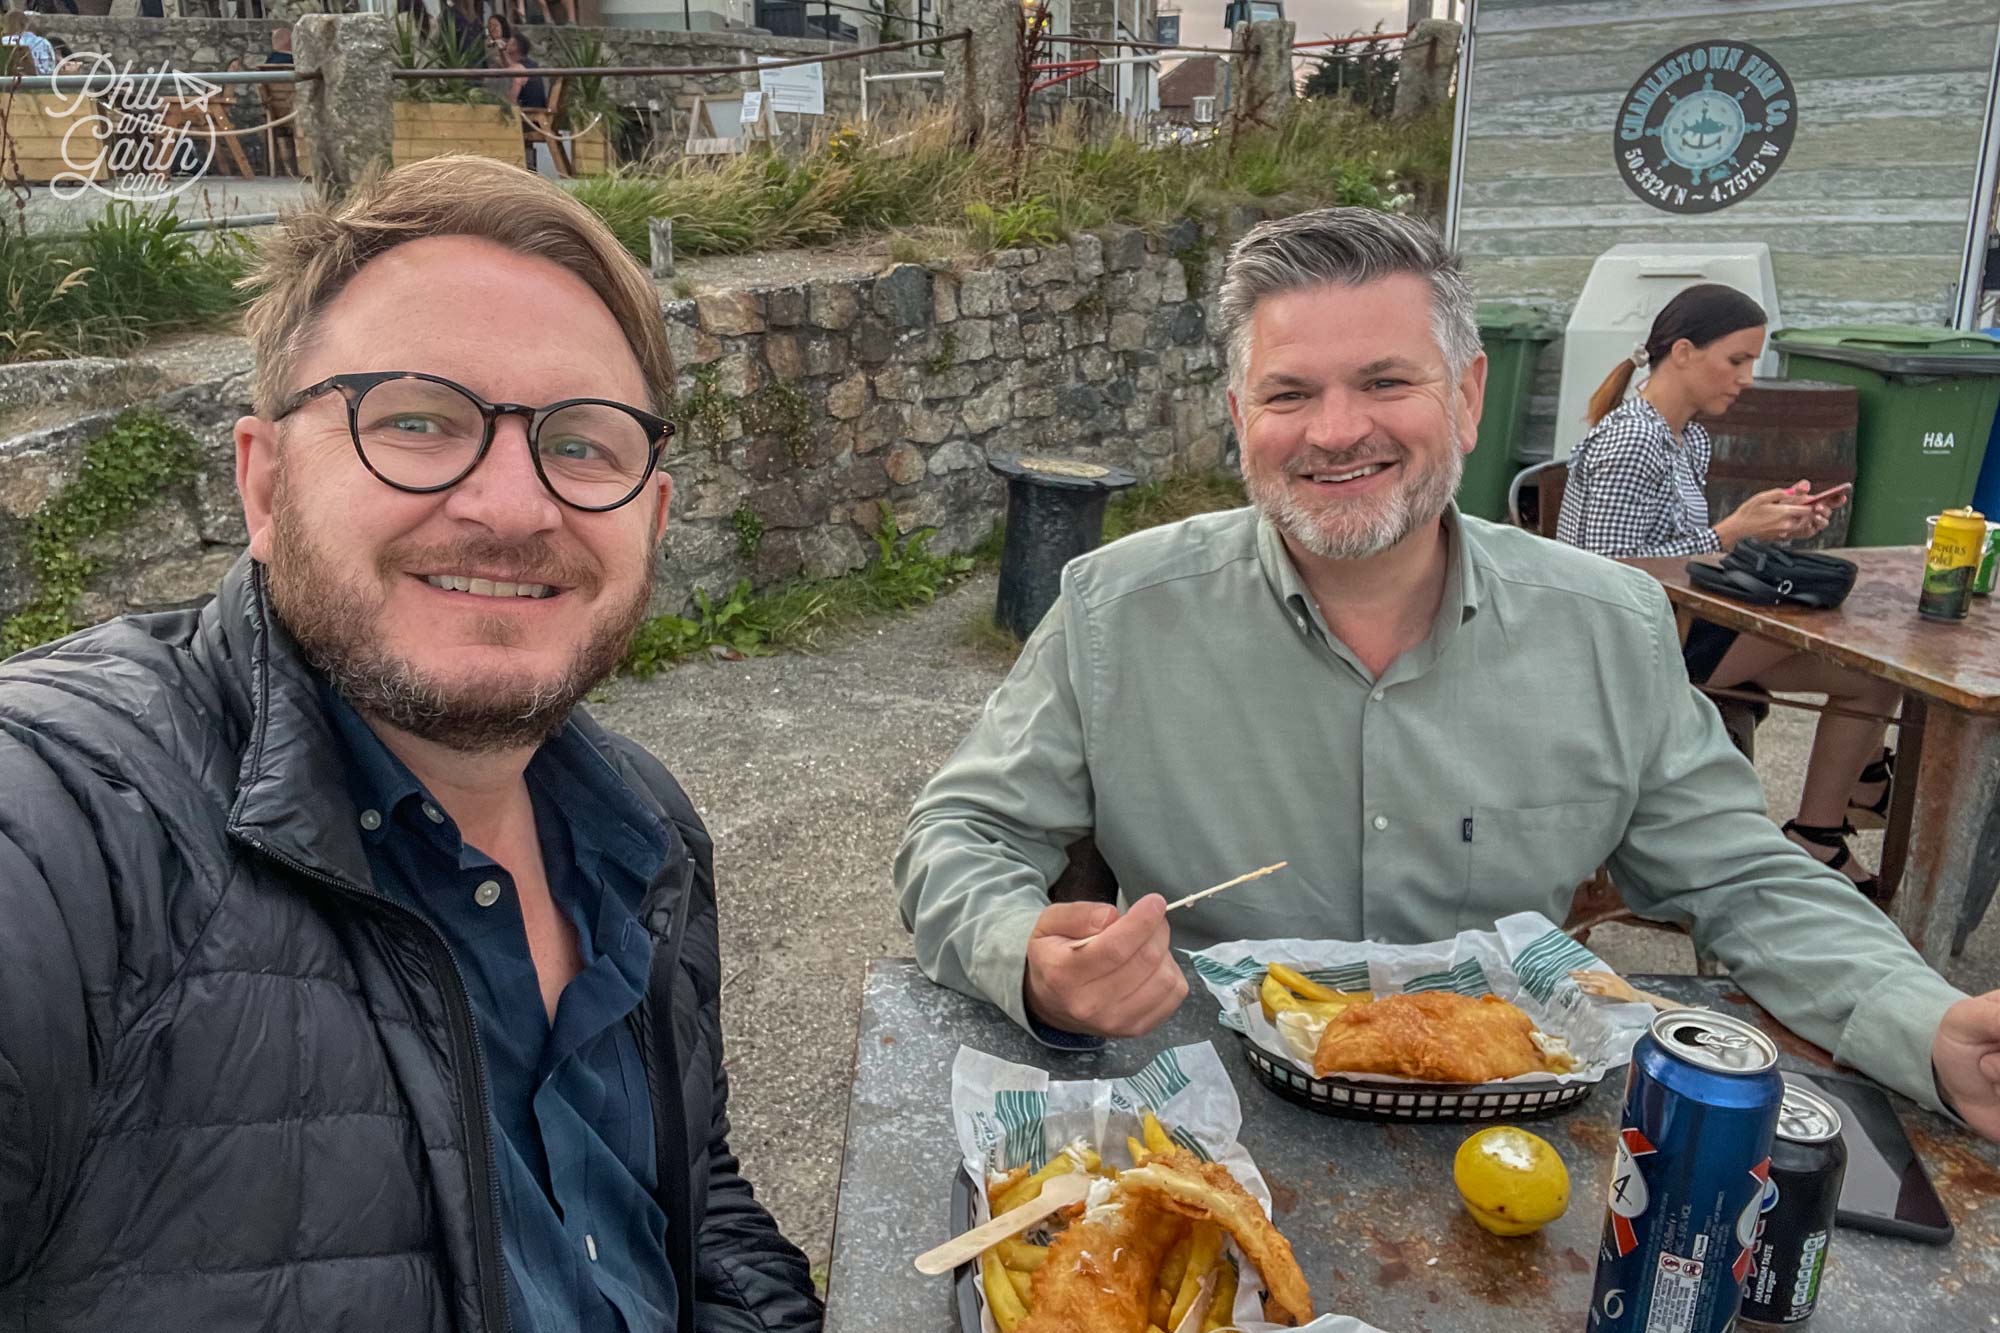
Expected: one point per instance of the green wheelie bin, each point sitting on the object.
(1928, 397)
(1513, 337)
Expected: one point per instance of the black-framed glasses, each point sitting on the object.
(424, 433)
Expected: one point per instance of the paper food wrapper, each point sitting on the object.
(1006, 1115)
(1525, 959)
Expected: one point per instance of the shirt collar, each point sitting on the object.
(604, 820)
(1460, 603)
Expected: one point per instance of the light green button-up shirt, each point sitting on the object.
(1185, 704)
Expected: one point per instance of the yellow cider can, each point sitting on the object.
(1957, 543)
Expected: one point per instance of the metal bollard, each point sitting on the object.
(660, 235)
(1055, 512)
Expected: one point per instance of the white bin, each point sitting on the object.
(1627, 287)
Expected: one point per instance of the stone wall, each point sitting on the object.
(810, 404)
(208, 44)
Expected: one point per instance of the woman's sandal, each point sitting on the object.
(1835, 839)
(1873, 816)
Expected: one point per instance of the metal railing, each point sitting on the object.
(665, 71)
(84, 83)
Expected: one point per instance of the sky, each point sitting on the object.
(1201, 20)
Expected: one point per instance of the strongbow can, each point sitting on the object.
(1692, 1157)
(1957, 543)
(1808, 1161)
(1982, 582)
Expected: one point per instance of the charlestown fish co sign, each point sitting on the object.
(1705, 127)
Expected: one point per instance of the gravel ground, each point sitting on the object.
(804, 768)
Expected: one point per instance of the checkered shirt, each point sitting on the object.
(1634, 490)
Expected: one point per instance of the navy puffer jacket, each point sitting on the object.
(239, 1090)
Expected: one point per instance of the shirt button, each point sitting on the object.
(487, 894)
(1381, 822)
(436, 816)
(1378, 696)
(371, 820)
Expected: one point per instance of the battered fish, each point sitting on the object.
(1436, 1036)
(1101, 1270)
(1207, 1190)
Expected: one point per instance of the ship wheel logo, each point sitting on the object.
(1705, 127)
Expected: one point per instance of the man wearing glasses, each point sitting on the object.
(351, 977)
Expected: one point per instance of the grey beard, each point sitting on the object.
(1421, 500)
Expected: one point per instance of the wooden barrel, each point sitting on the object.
(1778, 432)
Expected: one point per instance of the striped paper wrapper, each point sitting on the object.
(1525, 958)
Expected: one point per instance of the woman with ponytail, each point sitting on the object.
(1636, 488)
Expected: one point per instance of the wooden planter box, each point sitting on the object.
(35, 133)
(591, 152)
(432, 129)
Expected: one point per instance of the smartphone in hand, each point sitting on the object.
(1832, 495)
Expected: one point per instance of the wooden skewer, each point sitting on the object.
(1197, 1310)
(1197, 897)
(1057, 1194)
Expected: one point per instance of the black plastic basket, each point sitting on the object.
(1365, 1099)
(965, 1278)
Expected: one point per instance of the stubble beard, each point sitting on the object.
(1353, 530)
(336, 622)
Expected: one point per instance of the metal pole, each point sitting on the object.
(864, 94)
(1461, 116)
(687, 16)
(1985, 182)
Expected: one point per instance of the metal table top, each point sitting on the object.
(1370, 1209)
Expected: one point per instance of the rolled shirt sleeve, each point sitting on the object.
(989, 833)
(1699, 850)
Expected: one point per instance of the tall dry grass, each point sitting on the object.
(915, 175)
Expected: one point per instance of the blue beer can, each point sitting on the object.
(1692, 1158)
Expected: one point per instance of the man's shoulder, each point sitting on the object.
(1555, 575)
(133, 670)
(1174, 555)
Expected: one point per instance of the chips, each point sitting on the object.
(1166, 1232)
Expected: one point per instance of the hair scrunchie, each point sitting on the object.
(1639, 355)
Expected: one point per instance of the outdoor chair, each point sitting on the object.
(538, 125)
(281, 147)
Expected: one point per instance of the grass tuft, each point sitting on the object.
(1171, 500)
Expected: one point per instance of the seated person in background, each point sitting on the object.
(14, 32)
(281, 47)
(527, 92)
(1637, 488)
(1438, 721)
(498, 33)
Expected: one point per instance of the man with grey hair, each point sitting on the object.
(1437, 721)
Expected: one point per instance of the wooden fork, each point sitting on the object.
(1614, 987)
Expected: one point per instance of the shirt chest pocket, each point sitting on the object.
(1532, 858)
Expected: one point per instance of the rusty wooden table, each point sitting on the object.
(1941, 854)
(1369, 1208)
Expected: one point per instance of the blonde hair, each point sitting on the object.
(319, 248)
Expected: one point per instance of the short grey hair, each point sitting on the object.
(1347, 246)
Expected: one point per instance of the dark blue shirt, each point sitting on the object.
(584, 1241)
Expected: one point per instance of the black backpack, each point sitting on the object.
(1766, 574)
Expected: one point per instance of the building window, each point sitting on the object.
(1204, 110)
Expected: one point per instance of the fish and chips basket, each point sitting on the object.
(1525, 959)
(1009, 1116)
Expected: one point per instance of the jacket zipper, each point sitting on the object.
(486, 1223)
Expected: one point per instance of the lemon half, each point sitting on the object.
(1512, 1182)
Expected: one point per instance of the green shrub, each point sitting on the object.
(126, 276)
(904, 574)
(123, 472)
